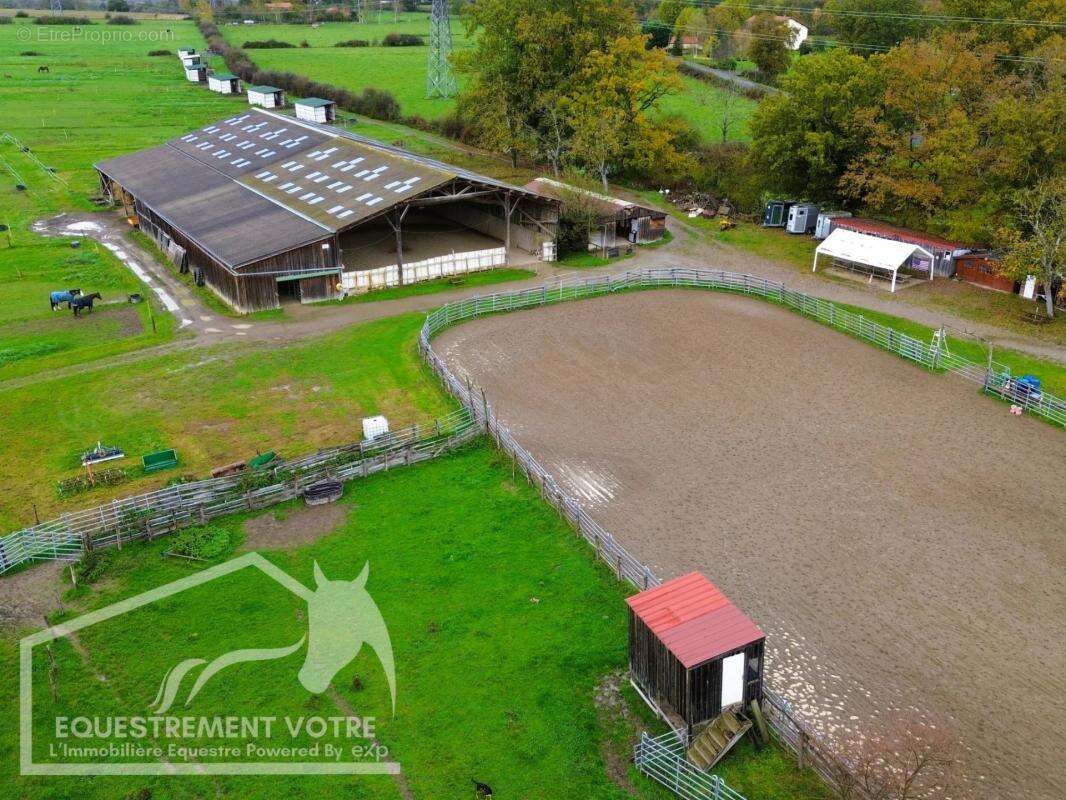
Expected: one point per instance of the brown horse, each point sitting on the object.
(86, 301)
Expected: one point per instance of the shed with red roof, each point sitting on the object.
(692, 651)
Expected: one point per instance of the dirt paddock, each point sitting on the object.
(899, 537)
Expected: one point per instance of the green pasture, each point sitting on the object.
(402, 70)
(101, 96)
(213, 405)
(501, 621)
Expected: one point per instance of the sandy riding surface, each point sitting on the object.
(900, 538)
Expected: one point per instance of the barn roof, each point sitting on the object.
(885, 230)
(224, 76)
(606, 207)
(231, 223)
(694, 620)
(314, 102)
(278, 182)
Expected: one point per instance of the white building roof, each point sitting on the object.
(872, 251)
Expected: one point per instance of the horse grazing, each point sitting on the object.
(43, 68)
(85, 301)
(341, 617)
(482, 791)
(58, 298)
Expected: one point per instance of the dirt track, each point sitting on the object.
(898, 536)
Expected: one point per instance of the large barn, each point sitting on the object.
(267, 208)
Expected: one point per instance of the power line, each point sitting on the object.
(932, 18)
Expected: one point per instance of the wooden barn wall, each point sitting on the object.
(216, 276)
(320, 288)
(248, 290)
(488, 219)
(654, 667)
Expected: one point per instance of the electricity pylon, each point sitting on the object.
(439, 79)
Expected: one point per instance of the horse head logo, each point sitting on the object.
(342, 616)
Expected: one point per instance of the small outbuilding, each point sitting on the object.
(266, 96)
(224, 83)
(185, 51)
(190, 59)
(315, 109)
(197, 73)
(983, 269)
(692, 652)
(616, 220)
(872, 255)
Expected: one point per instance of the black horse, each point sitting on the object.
(86, 301)
(482, 791)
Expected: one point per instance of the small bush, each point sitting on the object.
(204, 542)
(30, 53)
(5, 20)
(267, 44)
(94, 565)
(63, 21)
(402, 40)
(304, 43)
(154, 53)
(353, 43)
(122, 19)
(21, 14)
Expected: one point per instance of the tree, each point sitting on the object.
(951, 140)
(1038, 245)
(608, 109)
(768, 44)
(853, 26)
(204, 12)
(668, 11)
(807, 136)
(526, 56)
(658, 33)
(120, 6)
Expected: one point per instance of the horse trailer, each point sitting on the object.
(776, 213)
(802, 218)
(824, 226)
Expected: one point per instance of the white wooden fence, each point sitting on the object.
(429, 269)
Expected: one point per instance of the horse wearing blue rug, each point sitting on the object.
(67, 296)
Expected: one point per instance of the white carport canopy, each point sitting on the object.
(871, 251)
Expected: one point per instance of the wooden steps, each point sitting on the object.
(716, 739)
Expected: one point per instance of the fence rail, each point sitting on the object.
(995, 378)
(663, 759)
(151, 514)
(660, 759)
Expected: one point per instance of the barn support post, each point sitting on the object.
(509, 204)
(397, 226)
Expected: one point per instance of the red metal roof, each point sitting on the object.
(694, 619)
(883, 229)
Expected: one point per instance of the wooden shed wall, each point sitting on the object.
(695, 694)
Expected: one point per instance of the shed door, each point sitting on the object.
(733, 680)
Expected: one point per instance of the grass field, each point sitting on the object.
(501, 622)
(402, 70)
(99, 98)
(214, 406)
